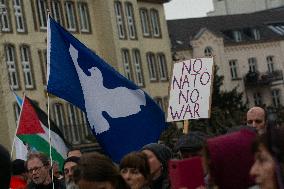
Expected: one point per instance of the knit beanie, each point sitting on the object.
(192, 142)
(18, 167)
(231, 158)
(162, 152)
(71, 159)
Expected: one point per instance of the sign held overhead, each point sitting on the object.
(190, 90)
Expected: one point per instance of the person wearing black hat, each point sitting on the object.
(190, 145)
(5, 168)
(69, 164)
(19, 175)
(158, 156)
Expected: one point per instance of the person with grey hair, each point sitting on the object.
(68, 167)
(38, 167)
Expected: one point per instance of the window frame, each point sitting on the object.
(73, 123)
(233, 64)
(12, 66)
(71, 18)
(155, 23)
(5, 17)
(85, 16)
(119, 20)
(60, 119)
(257, 97)
(151, 62)
(55, 5)
(252, 62)
(208, 51)
(19, 16)
(130, 17)
(126, 61)
(145, 23)
(276, 97)
(27, 67)
(139, 77)
(270, 63)
(162, 68)
(42, 14)
(237, 36)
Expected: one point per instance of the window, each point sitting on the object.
(84, 124)
(257, 99)
(56, 11)
(237, 36)
(233, 69)
(19, 16)
(43, 61)
(256, 34)
(145, 22)
(70, 16)
(270, 64)
(277, 28)
(5, 22)
(162, 64)
(126, 64)
(41, 9)
(154, 14)
(152, 66)
(25, 59)
(208, 52)
(59, 119)
(276, 97)
(137, 67)
(252, 64)
(130, 20)
(84, 17)
(73, 122)
(17, 111)
(119, 19)
(11, 66)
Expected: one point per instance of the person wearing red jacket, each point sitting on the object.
(19, 175)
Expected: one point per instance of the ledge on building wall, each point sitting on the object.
(155, 1)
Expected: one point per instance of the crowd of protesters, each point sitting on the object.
(249, 157)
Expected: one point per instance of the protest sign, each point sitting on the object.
(186, 173)
(190, 90)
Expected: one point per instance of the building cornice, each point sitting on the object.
(155, 1)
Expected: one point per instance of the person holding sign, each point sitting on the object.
(190, 90)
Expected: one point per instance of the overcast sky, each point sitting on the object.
(176, 9)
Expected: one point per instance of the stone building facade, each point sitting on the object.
(131, 35)
(247, 48)
(225, 7)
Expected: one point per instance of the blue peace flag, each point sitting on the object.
(122, 117)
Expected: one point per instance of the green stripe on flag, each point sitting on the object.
(42, 145)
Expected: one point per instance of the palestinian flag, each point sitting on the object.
(33, 130)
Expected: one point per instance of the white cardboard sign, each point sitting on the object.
(190, 90)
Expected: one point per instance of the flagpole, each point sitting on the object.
(48, 117)
(17, 126)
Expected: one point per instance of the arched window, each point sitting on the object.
(208, 52)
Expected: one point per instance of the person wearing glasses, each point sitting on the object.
(38, 167)
(256, 118)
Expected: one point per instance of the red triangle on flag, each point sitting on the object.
(29, 122)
